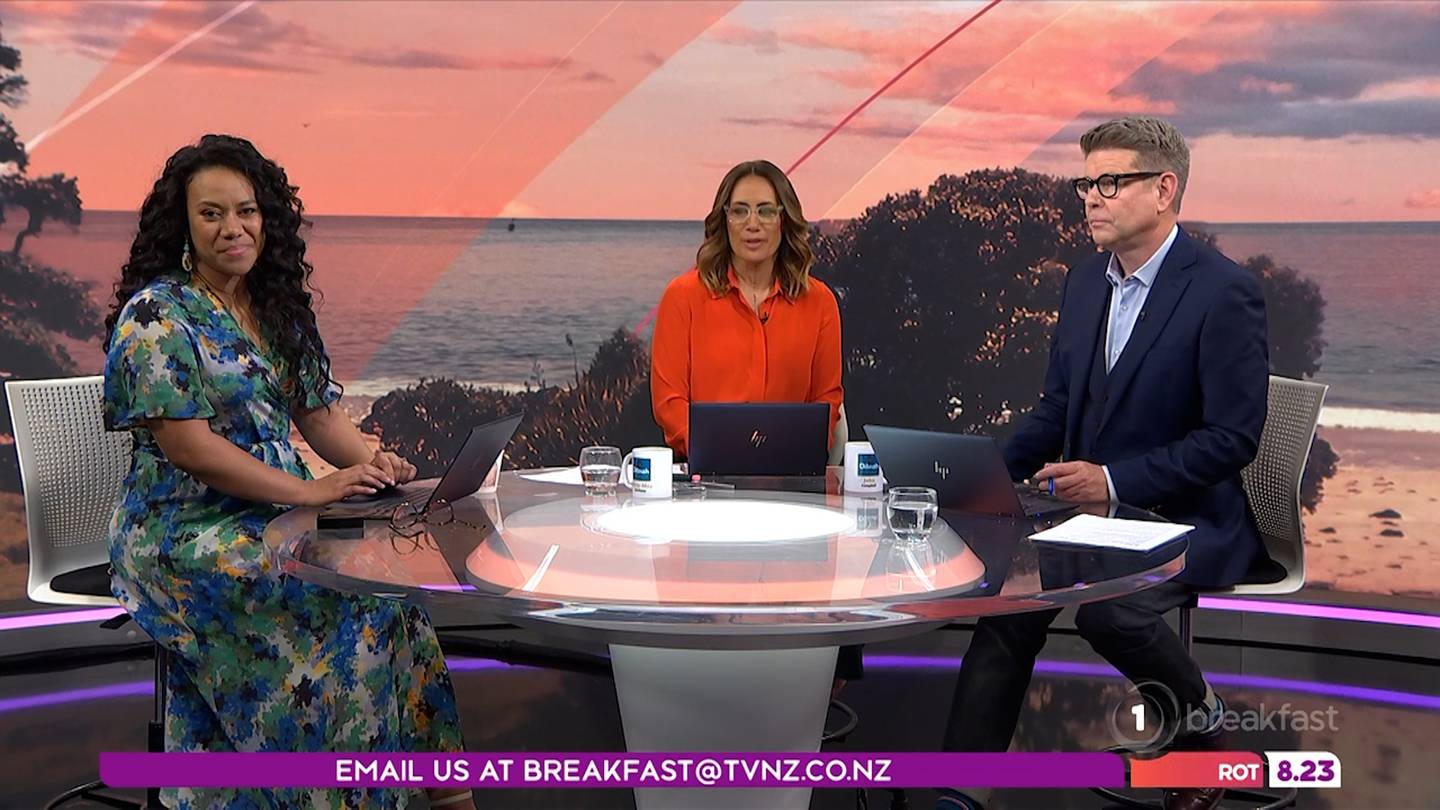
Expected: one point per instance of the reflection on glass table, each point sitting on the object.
(722, 607)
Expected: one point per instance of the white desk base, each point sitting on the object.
(722, 700)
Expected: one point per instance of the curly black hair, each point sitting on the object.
(279, 283)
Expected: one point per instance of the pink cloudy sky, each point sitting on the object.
(1296, 111)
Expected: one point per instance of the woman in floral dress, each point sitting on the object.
(212, 351)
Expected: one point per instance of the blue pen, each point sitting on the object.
(1052, 486)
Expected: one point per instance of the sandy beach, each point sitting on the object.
(1377, 529)
(13, 552)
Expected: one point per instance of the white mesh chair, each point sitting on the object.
(1272, 481)
(71, 470)
(1272, 488)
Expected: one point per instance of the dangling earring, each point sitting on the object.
(185, 259)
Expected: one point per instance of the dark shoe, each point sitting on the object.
(1209, 737)
(1193, 798)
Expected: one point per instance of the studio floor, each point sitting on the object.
(1383, 715)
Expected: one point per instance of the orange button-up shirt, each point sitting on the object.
(710, 348)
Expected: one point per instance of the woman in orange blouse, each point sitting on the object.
(747, 323)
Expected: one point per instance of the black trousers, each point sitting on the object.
(1130, 632)
(849, 664)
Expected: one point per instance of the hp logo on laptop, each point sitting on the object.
(942, 471)
(757, 438)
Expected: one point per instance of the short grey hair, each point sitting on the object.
(1158, 146)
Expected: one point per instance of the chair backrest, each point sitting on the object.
(838, 437)
(71, 469)
(1272, 480)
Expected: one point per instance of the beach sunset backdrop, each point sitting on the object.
(419, 132)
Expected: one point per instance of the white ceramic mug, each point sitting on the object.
(492, 478)
(862, 469)
(646, 471)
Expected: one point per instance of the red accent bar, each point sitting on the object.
(1195, 769)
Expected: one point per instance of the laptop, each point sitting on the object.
(759, 438)
(462, 477)
(967, 472)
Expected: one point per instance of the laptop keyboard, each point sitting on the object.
(386, 502)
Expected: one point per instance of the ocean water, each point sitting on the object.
(500, 311)
(1382, 312)
(508, 301)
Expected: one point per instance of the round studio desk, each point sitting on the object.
(723, 609)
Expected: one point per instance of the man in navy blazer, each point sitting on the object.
(1154, 397)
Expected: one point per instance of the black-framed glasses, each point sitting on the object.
(1107, 184)
(765, 212)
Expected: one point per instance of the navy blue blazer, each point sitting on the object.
(1184, 403)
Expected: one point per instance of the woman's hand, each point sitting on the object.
(398, 469)
(360, 479)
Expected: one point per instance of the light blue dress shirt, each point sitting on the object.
(1127, 301)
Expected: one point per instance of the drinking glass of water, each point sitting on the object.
(911, 512)
(600, 469)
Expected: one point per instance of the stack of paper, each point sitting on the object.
(1115, 533)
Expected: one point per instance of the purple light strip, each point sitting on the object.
(28, 620)
(1322, 612)
(1368, 694)
(1362, 693)
(1076, 668)
(1402, 618)
(464, 664)
(128, 689)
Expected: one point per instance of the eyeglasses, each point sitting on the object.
(1107, 184)
(740, 212)
(411, 522)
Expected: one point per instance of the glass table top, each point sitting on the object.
(789, 559)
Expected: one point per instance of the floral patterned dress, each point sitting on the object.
(259, 661)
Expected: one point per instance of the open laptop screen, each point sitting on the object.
(967, 472)
(759, 438)
(468, 470)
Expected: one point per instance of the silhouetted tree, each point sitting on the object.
(36, 302)
(55, 197)
(948, 299)
(427, 422)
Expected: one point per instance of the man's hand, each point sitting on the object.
(1076, 481)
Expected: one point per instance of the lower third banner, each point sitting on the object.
(592, 770)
